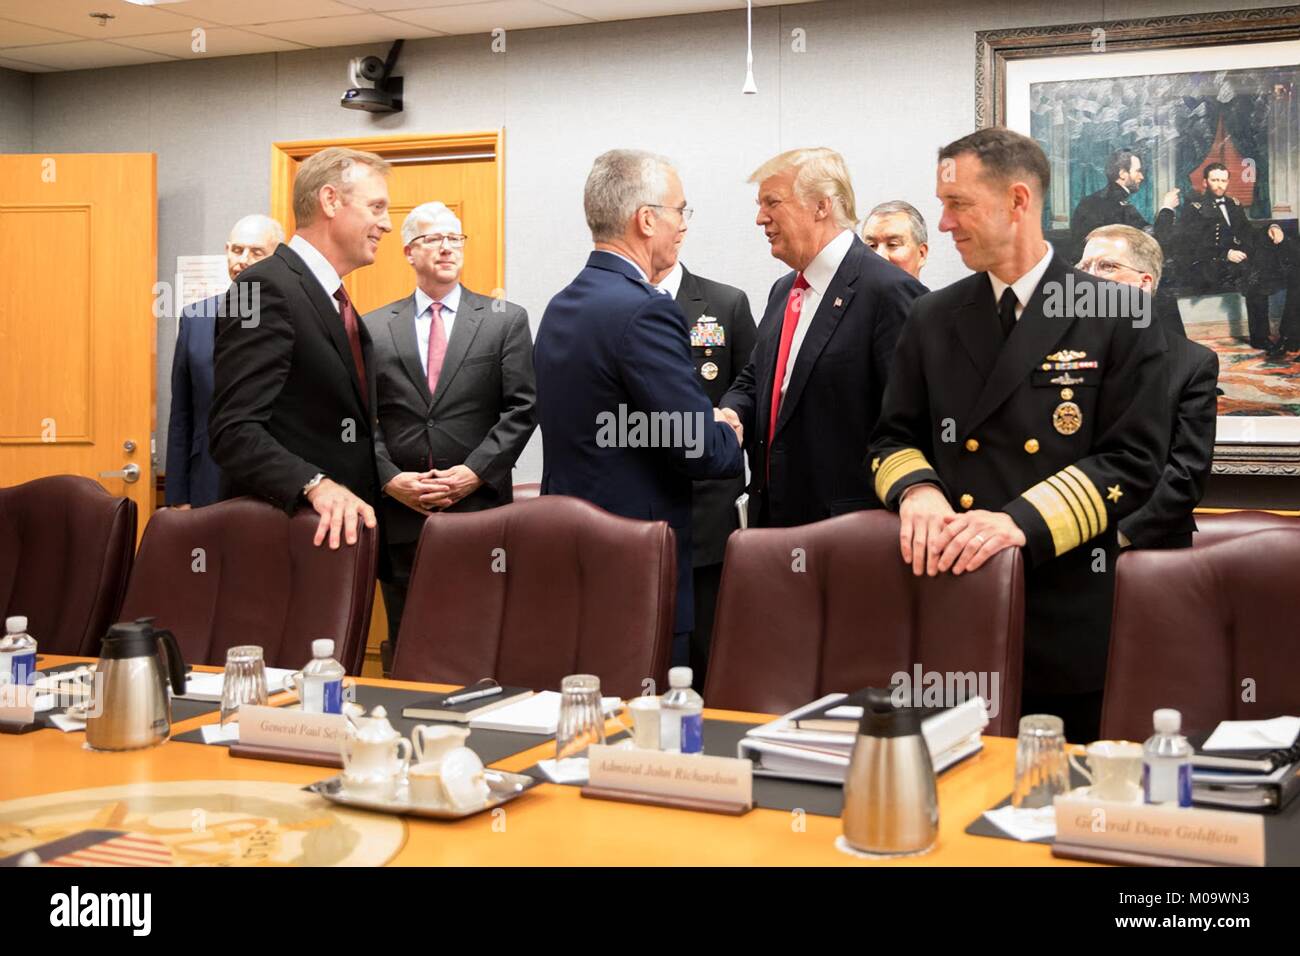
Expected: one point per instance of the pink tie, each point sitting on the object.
(437, 345)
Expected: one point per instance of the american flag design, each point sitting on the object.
(99, 848)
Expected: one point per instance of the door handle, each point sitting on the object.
(129, 474)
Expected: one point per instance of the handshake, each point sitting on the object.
(732, 419)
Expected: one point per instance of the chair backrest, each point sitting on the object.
(1211, 529)
(244, 572)
(66, 546)
(806, 611)
(1211, 631)
(531, 592)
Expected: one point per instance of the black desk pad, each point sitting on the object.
(721, 738)
(981, 826)
(490, 745)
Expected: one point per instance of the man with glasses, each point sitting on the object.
(454, 374)
(810, 393)
(1124, 254)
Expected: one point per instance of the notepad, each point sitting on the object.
(207, 686)
(538, 714)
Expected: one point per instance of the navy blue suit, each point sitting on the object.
(610, 339)
(192, 476)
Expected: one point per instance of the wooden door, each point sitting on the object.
(78, 241)
(464, 171)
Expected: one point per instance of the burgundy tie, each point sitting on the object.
(349, 316)
(437, 346)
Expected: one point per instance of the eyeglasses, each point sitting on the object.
(1106, 267)
(686, 211)
(437, 239)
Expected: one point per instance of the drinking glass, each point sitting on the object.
(581, 721)
(1041, 768)
(245, 680)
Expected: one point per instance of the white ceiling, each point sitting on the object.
(44, 37)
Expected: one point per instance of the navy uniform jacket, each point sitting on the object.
(833, 399)
(1064, 427)
(192, 476)
(1110, 206)
(720, 349)
(1165, 520)
(611, 344)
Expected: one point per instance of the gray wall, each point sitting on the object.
(884, 83)
(16, 106)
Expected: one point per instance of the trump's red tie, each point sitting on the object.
(349, 316)
(793, 309)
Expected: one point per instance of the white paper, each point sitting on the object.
(67, 724)
(208, 686)
(1276, 734)
(572, 770)
(199, 278)
(1024, 823)
(216, 733)
(538, 714)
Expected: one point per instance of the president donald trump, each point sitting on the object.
(625, 423)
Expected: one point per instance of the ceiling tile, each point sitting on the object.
(338, 31)
(485, 17)
(13, 33)
(221, 41)
(22, 67)
(387, 6)
(238, 13)
(73, 16)
(87, 54)
(635, 9)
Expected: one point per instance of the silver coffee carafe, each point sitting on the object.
(132, 709)
(890, 802)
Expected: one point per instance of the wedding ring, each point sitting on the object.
(979, 538)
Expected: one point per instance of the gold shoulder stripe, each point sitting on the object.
(1070, 506)
(900, 464)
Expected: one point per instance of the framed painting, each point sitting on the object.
(1191, 126)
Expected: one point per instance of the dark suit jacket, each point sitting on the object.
(714, 509)
(192, 476)
(481, 416)
(611, 344)
(1165, 520)
(287, 402)
(833, 399)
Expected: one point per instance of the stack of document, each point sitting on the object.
(783, 749)
(536, 714)
(1248, 765)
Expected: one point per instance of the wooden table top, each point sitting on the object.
(551, 825)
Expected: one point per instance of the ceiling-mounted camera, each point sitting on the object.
(384, 95)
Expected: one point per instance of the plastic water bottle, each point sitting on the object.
(18, 651)
(681, 715)
(1167, 762)
(322, 680)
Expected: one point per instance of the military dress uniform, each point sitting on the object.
(1063, 426)
(722, 336)
(1113, 206)
(1208, 229)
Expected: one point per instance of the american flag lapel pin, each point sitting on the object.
(838, 302)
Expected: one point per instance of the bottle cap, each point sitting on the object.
(680, 677)
(322, 647)
(1168, 721)
(16, 624)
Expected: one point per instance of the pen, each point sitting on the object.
(471, 695)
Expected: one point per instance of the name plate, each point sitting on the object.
(17, 703)
(1189, 833)
(278, 727)
(685, 777)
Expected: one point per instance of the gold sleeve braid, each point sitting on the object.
(1070, 506)
(889, 471)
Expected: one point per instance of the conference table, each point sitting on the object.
(550, 825)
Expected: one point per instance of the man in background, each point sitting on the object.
(722, 334)
(1113, 203)
(293, 402)
(454, 373)
(810, 394)
(610, 346)
(193, 478)
(896, 231)
(1164, 520)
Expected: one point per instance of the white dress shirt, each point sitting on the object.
(672, 282)
(1024, 286)
(818, 275)
(424, 319)
(320, 267)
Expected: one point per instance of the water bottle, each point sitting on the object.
(681, 715)
(18, 651)
(1167, 762)
(322, 680)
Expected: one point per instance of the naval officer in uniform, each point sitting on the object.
(1020, 414)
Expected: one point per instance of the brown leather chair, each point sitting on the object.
(531, 592)
(1211, 529)
(1191, 625)
(65, 552)
(244, 572)
(855, 617)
